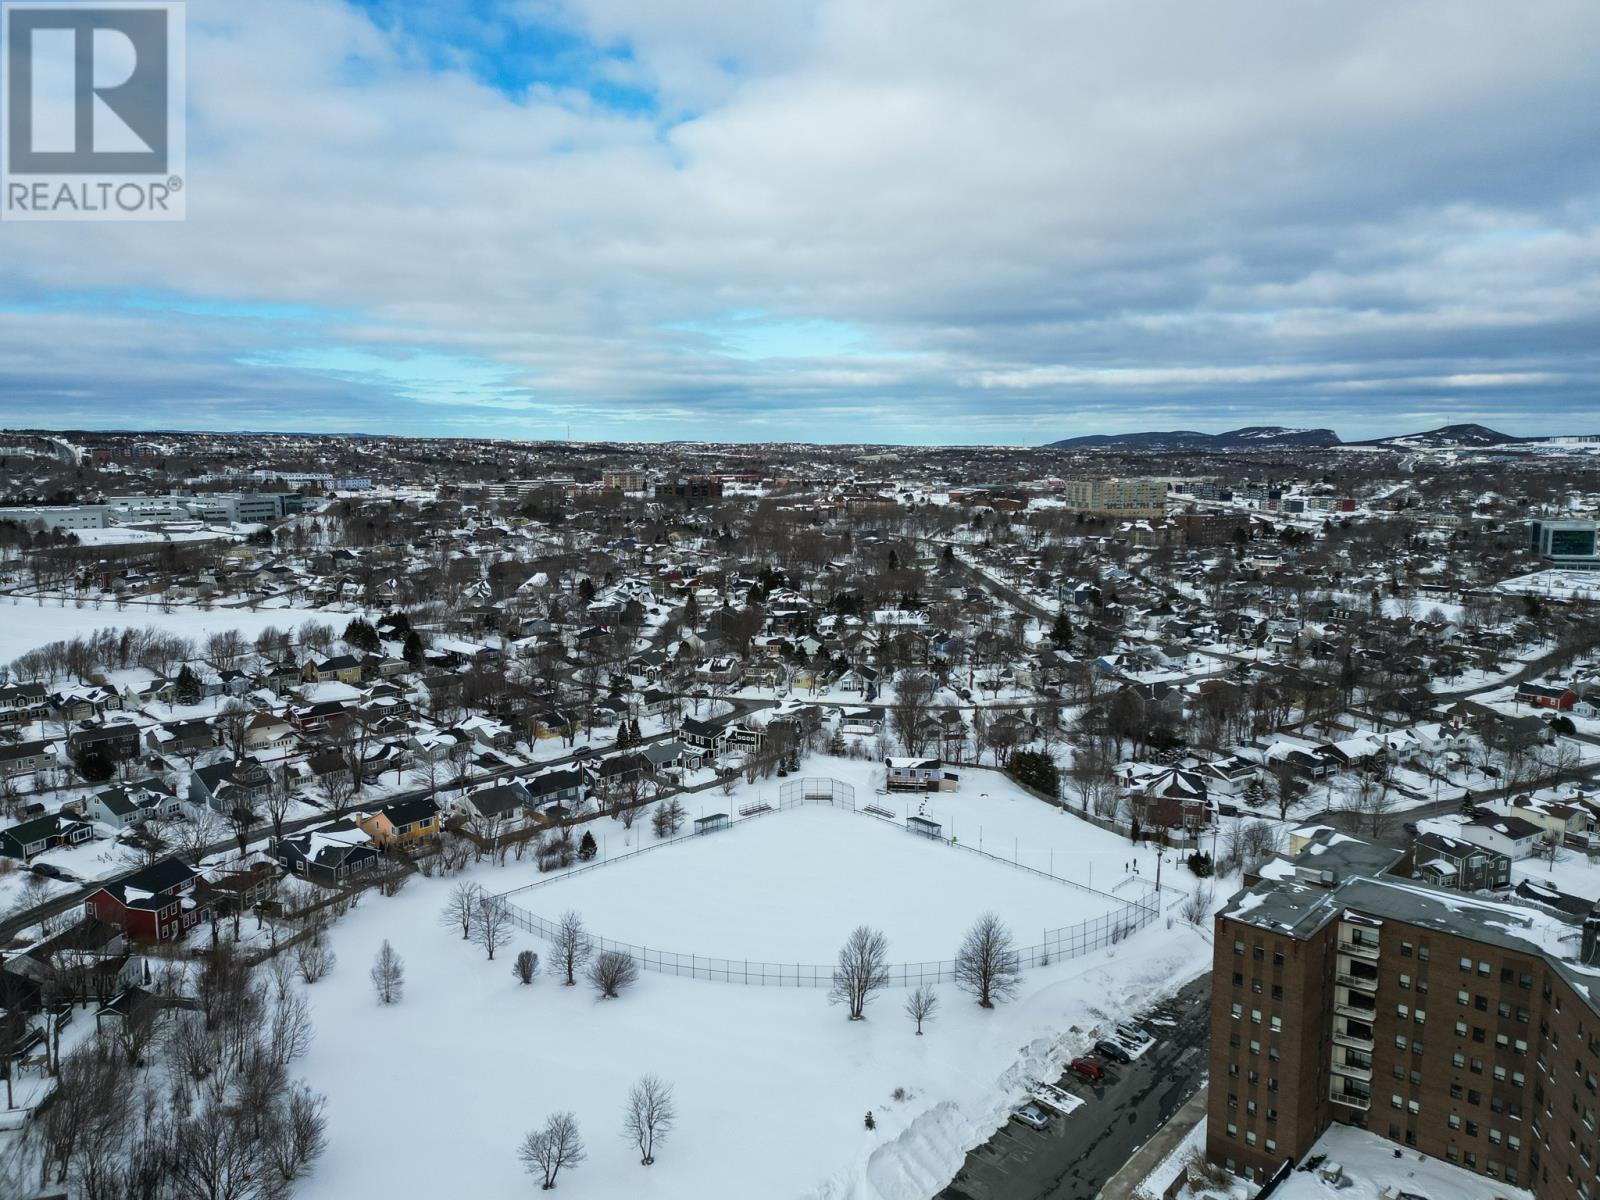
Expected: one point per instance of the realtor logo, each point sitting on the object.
(92, 110)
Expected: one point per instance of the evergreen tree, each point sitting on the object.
(691, 612)
(360, 634)
(586, 846)
(585, 589)
(1061, 631)
(635, 735)
(413, 649)
(894, 561)
(186, 690)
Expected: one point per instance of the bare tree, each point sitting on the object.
(313, 958)
(572, 945)
(611, 972)
(461, 909)
(986, 965)
(650, 1116)
(388, 975)
(908, 715)
(1196, 908)
(525, 966)
(493, 926)
(544, 1152)
(862, 970)
(921, 1004)
(298, 1133)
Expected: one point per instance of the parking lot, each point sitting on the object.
(1076, 1154)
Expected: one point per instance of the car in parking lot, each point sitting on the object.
(50, 871)
(1091, 1069)
(1032, 1116)
(1109, 1049)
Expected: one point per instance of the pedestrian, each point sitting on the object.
(871, 1124)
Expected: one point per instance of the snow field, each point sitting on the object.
(789, 887)
(26, 624)
(431, 1097)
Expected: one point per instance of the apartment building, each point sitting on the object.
(1462, 1028)
(623, 481)
(1125, 497)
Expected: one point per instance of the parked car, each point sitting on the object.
(1109, 1049)
(1227, 810)
(1090, 1068)
(50, 871)
(1032, 1116)
(1411, 828)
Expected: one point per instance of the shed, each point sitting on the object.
(711, 823)
(927, 828)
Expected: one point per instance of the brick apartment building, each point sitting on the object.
(1465, 1028)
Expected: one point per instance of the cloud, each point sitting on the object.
(901, 221)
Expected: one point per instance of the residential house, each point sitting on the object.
(48, 832)
(24, 758)
(330, 856)
(341, 668)
(116, 743)
(229, 786)
(154, 904)
(401, 824)
(1511, 836)
(1547, 695)
(127, 805)
(560, 787)
(1465, 866)
(918, 775)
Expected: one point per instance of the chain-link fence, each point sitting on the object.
(1070, 941)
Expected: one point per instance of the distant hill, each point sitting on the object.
(1251, 437)
(1447, 437)
(1276, 437)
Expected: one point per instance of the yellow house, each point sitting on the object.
(401, 824)
(343, 668)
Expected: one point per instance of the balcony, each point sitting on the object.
(1363, 982)
(1353, 1070)
(1359, 949)
(1352, 1099)
(1347, 1009)
(1352, 1040)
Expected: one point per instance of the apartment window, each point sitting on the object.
(1271, 1145)
(1255, 1046)
(1500, 1073)
(1238, 979)
(1399, 1071)
(1520, 1046)
(1451, 1153)
(1463, 999)
(1405, 951)
(1494, 1136)
(1458, 1059)
(1233, 1130)
(1420, 1016)
(1255, 1016)
(1422, 953)
(1277, 1024)
(1238, 946)
(1255, 986)
(1258, 953)
(1399, 1041)
(1253, 1078)
(1277, 991)
(1518, 1079)
(1396, 1100)
(1233, 1039)
(1233, 1069)
(1250, 1137)
(1401, 1011)
(1455, 1091)
(1272, 1114)
(1483, 969)
(1416, 1047)
(1476, 1066)
(1454, 1122)
(1277, 961)
(1272, 1053)
(1413, 1107)
(1238, 1011)
(1472, 1129)
(1504, 1009)
(1405, 983)
(1461, 1029)
(1250, 1107)
(1422, 984)
(1466, 964)
(1513, 1142)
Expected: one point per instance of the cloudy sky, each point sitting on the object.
(905, 220)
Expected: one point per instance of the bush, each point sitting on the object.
(1200, 863)
(1037, 770)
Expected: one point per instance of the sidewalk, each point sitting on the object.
(1125, 1182)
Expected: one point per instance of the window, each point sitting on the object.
(1277, 961)
(1483, 969)
(1405, 951)
(1405, 983)
(1255, 1016)
(1277, 991)
(1238, 1011)
(1420, 1016)
(1461, 1029)
(1277, 1024)
(1466, 964)
(1422, 953)
(1463, 999)
(1401, 1011)
(1454, 1122)
(1396, 1100)
(1414, 1107)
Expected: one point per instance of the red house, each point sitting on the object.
(154, 904)
(1544, 695)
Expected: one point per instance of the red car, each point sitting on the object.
(1089, 1068)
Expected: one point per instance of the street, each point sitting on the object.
(1079, 1153)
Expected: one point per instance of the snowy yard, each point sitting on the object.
(772, 1083)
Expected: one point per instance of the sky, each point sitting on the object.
(823, 220)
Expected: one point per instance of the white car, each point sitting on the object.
(1032, 1116)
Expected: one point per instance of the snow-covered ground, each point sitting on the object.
(752, 892)
(772, 1083)
(26, 624)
